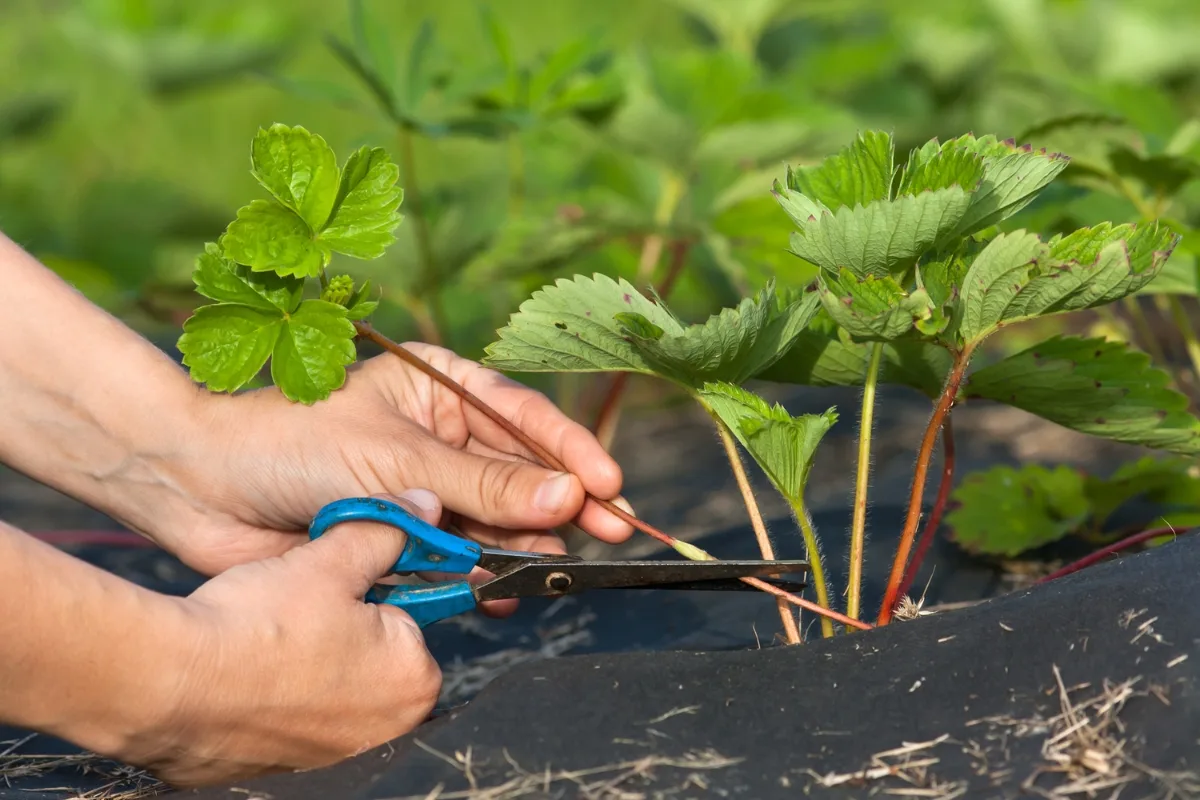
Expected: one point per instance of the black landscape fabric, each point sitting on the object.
(1090, 680)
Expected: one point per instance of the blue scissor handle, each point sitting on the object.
(428, 549)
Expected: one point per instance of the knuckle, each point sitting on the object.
(500, 483)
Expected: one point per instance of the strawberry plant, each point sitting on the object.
(913, 270)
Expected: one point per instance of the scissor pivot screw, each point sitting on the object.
(558, 581)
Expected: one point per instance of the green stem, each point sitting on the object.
(816, 566)
(790, 627)
(858, 530)
(1179, 314)
(430, 281)
(516, 175)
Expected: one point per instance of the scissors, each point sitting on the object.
(520, 573)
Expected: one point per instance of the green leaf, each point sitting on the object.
(360, 307)
(218, 278)
(313, 349)
(365, 214)
(958, 167)
(1019, 277)
(570, 327)
(299, 168)
(782, 445)
(859, 174)
(1161, 174)
(267, 237)
(882, 238)
(1094, 386)
(820, 357)
(1170, 483)
(1009, 184)
(732, 345)
(1007, 512)
(873, 309)
(225, 345)
(600, 325)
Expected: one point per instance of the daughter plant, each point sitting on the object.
(914, 276)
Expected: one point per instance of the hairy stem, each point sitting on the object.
(939, 508)
(547, 459)
(1105, 552)
(605, 427)
(913, 519)
(858, 529)
(790, 627)
(816, 567)
(434, 326)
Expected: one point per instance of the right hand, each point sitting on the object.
(293, 670)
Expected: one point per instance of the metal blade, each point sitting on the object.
(551, 579)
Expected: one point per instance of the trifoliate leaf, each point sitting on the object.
(600, 325)
(820, 357)
(218, 278)
(365, 215)
(310, 357)
(958, 167)
(873, 309)
(299, 168)
(782, 445)
(267, 237)
(732, 345)
(883, 238)
(1094, 386)
(1006, 511)
(1018, 277)
(225, 345)
(859, 174)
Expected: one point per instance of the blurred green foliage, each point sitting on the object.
(545, 139)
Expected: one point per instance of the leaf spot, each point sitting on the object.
(562, 326)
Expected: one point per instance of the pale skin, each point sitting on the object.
(275, 663)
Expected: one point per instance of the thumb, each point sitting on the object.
(358, 554)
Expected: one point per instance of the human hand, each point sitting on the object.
(272, 464)
(290, 669)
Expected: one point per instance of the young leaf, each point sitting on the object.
(882, 238)
(310, 357)
(299, 168)
(365, 213)
(1006, 512)
(267, 237)
(1147, 249)
(873, 309)
(1165, 482)
(220, 279)
(782, 445)
(859, 174)
(958, 167)
(820, 357)
(1096, 387)
(225, 345)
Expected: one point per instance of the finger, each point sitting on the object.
(491, 536)
(357, 554)
(538, 417)
(594, 519)
(501, 492)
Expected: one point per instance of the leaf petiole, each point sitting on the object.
(858, 529)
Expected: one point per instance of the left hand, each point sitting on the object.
(271, 464)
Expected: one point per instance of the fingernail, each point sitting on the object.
(553, 493)
(623, 504)
(423, 499)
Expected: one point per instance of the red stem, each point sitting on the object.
(605, 427)
(548, 459)
(939, 508)
(1105, 552)
(924, 455)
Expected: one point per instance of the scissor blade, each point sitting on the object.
(551, 579)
